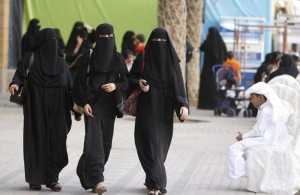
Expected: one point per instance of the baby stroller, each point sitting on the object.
(230, 99)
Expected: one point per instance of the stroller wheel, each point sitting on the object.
(231, 112)
(250, 113)
(246, 113)
(217, 112)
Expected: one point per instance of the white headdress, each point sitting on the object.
(281, 108)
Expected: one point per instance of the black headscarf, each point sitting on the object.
(128, 43)
(102, 59)
(217, 45)
(72, 39)
(287, 65)
(160, 58)
(263, 67)
(49, 64)
(29, 36)
(60, 39)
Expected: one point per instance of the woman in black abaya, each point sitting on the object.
(215, 52)
(163, 92)
(287, 65)
(47, 119)
(128, 43)
(99, 93)
(29, 36)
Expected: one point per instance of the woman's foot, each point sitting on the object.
(155, 192)
(56, 187)
(35, 187)
(99, 188)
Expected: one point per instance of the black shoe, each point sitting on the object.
(56, 187)
(35, 187)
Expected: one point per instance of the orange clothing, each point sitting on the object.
(139, 48)
(237, 69)
(235, 64)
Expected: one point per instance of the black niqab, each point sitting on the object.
(49, 64)
(102, 59)
(160, 58)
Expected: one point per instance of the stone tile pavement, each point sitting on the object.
(196, 163)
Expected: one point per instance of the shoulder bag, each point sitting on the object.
(18, 97)
(130, 104)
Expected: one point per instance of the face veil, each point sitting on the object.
(105, 49)
(160, 57)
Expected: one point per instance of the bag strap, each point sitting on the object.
(31, 60)
(88, 68)
(143, 62)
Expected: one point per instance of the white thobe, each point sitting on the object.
(266, 131)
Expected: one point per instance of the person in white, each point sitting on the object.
(269, 129)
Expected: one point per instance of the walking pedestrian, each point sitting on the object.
(157, 73)
(98, 88)
(46, 110)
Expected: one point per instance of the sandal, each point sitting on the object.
(99, 188)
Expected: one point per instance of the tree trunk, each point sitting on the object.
(194, 30)
(172, 17)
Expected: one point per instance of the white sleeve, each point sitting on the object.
(263, 118)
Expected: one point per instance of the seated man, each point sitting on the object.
(270, 128)
(236, 66)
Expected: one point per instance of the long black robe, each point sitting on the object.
(47, 120)
(98, 129)
(215, 52)
(154, 117)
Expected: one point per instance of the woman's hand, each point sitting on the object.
(183, 113)
(109, 87)
(88, 110)
(13, 89)
(143, 85)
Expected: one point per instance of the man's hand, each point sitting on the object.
(88, 110)
(239, 137)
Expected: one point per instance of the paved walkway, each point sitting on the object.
(196, 163)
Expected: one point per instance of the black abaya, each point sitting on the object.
(215, 52)
(87, 90)
(46, 110)
(154, 118)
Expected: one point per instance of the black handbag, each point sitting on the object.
(18, 97)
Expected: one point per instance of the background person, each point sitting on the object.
(128, 43)
(29, 37)
(215, 52)
(236, 67)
